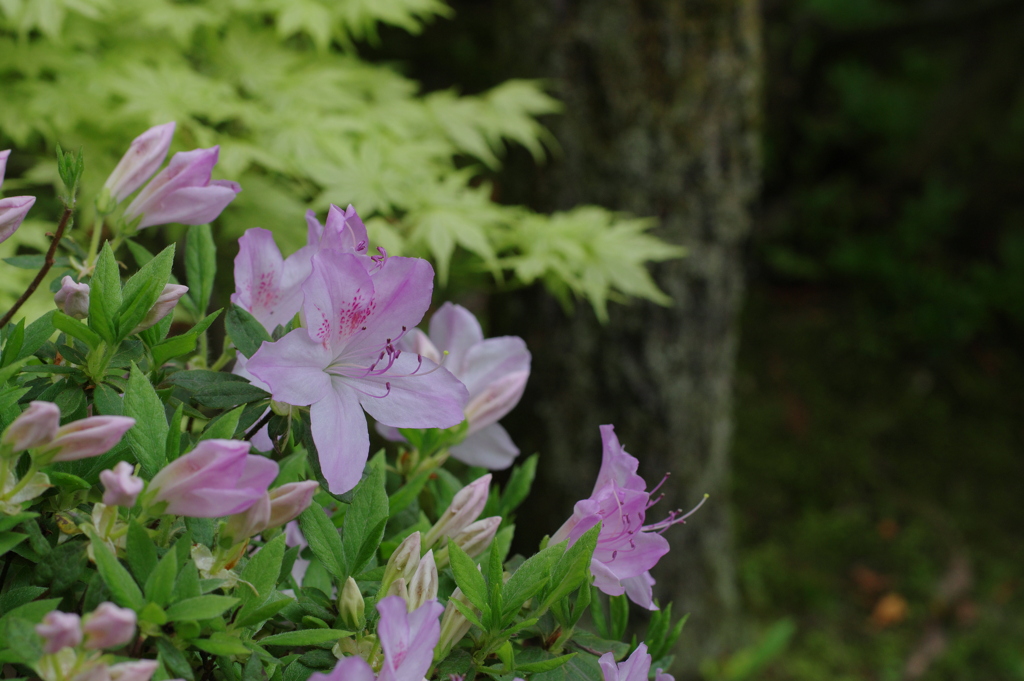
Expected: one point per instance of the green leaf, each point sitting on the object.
(174, 434)
(105, 296)
(122, 587)
(19, 596)
(142, 290)
(468, 578)
(148, 437)
(37, 333)
(107, 401)
(618, 606)
(245, 331)
(528, 580)
(160, 583)
(223, 427)
(221, 644)
(174, 660)
(140, 552)
(273, 604)
(544, 665)
(324, 540)
(398, 501)
(183, 344)
(305, 637)
(365, 519)
(573, 568)
(75, 329)
(262, 572)
(199, 608)
(12, 347)
(200, 265)
(8, 540)
(518, 487)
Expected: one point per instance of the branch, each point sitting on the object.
(47, 264)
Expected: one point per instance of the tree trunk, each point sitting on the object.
(661, 119)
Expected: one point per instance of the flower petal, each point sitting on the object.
(491, 448)
(491, 360)
(430, 398)
(341, 437)
(402, 288)
(455, 329)
(617, 466)
(338, 300)
(293, 368)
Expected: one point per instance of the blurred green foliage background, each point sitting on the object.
(878, 455)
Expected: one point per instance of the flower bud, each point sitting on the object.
(87, 437)
(217, 478)
(168, 298)
(109, 627)
(351, 606)
(144, 156)
(399, 589)
(73, 298)
(139, 670)
(121, 485)
(36, 426)
(183, 192)
(423, 585)
(60, 630)
(474, 539)
(403, 561)
(12, 212)
(454, 625)
(290, 500)
(249, 522)
(464, 509)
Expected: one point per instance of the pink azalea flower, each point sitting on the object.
(87, 437)
(408, 640)
(217, 478)
(635, 668)
(345, 360)
(183, 192)
(626, 548)
(494, 371)
(146, 153)
(60, 630)
(121, 486)
(12, 209)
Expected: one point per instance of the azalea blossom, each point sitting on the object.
(626, 548)
(635, 668)
(12, 209)
(494, 370)
(345, 360)
(60, 630)
(73, 298)
(145, 154)
(408, 640)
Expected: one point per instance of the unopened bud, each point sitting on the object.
(398, 588)
(496, 400)
(474, 539)
(168, 298)
(464, 509)
(290, 500)
(144, 156)
(73, 298)
(249, 522)
(87, 437)
(121, 485)
(403, 561)
(60, 630)
(139, 670)
(423, 586)
(454, 625)
(109, 627)
(351, 606)
(36, 426)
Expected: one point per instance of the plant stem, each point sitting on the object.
(47, 264)
(262, 422)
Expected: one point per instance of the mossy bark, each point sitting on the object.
(661, 119)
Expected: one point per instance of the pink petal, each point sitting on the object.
(491, 448)
(430, 398)
(402, 288)
(191, 205)
(455, 329)
(341, 437)
(293, 368)
(492, 360)
(639, 590)
(347, 669)
(339, 300)
(616, 465)
(12, 213)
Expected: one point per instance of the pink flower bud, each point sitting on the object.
(60, 630)
(12, 212)
(144, 156)
(121, 485)
(402, 562)
(87, 437)
(183, 192)
(476, 537)
(464, 509)
(140, 670)
(36, 426)
(217, 478)
(13, 209)
(109, 627)
(249, 522)
(168, 298)
(288, 501)
(73, 298)
(423, 585)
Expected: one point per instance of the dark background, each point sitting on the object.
(877, 470)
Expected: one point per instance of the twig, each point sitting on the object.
(47, 264)
(262, 422)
